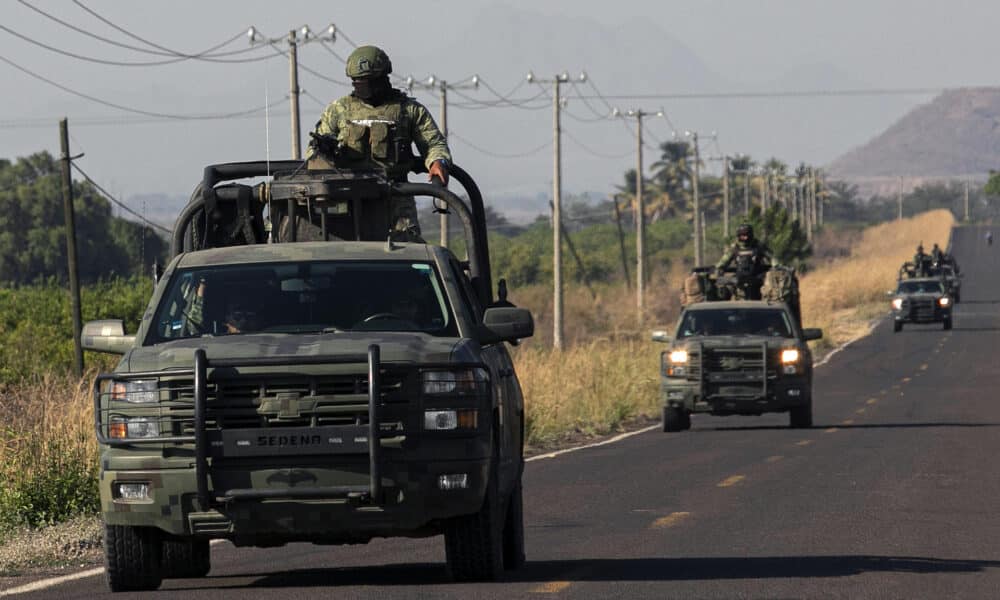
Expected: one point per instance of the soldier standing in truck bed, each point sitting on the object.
(749, 258)
(375, 126)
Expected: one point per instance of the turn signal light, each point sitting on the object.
(118, 430)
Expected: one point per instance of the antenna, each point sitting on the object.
(267, 126)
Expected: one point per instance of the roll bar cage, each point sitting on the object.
(357, 199)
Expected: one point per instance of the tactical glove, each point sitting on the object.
(439, 169)
(324, 145)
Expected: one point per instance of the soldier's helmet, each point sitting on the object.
(744, 232)
(920, 249)
(367, 62)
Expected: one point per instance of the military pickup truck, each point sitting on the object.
(736, 358)
(327, 391)
(921, 300)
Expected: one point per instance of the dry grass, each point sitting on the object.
(589, 389)
(843, 297)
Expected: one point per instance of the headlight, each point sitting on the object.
(459, 381)
(791, 355)
(679, 357)
(897, 303)
(944, 300)
(139, 391)
(447, 420)
(133, 428)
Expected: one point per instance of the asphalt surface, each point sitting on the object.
(892, 494)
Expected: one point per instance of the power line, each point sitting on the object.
(46, 122)
(120, 204)
(137, 110)
(155, 45)
(591, 151)
(474, 103)
(776, 94)
(204, 54)
(522, 154)
(119, 63)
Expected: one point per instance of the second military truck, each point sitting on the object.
(736, 357)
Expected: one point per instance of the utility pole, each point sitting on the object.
(443, 86)
(640, 211)
(69, 217)
(699, 257)
(746, 192)
(293, 42)
(293, 83)
(820, 199)
(557, 300)
(765, 182)
(725, 196)
(621, 245)
(807, 202)
(640, 224)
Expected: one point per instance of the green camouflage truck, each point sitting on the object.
(921, 300)
(736, 357)
(328, 391)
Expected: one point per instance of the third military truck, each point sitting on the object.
(315, 380)
(921, 300)
(737, 357)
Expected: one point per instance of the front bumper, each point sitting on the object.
(411, 501)
(937, 314)
(781, 395)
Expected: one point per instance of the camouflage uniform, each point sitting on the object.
(366, 141)
(752, 259)
(920, 260)
(751, 251)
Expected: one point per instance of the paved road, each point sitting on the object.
(891, 495)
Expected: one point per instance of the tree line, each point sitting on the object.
(32, 232)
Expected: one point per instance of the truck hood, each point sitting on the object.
(394, 347)
(740, 341)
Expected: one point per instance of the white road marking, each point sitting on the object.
(47, 583)
(612, 440)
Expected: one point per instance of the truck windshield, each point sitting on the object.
(736, 321)
(304, 297)
(920, 287)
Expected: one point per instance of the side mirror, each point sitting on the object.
(505, 324)
(811, 334)
(890, 293)
(106, 336)
(660, 335)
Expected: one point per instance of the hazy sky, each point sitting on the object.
(627, 47)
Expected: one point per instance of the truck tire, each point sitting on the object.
(513, 530)
(183, 559)
(897, 326)
(133, 557)
(675, 419)
(473, 544)
(801, 417)
(947, 324)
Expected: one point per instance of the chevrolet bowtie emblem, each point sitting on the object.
(732, 363)
(288, 405)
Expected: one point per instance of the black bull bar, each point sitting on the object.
(372, 492)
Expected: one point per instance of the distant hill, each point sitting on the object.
(955, 136)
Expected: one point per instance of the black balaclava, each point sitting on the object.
(373, 90)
